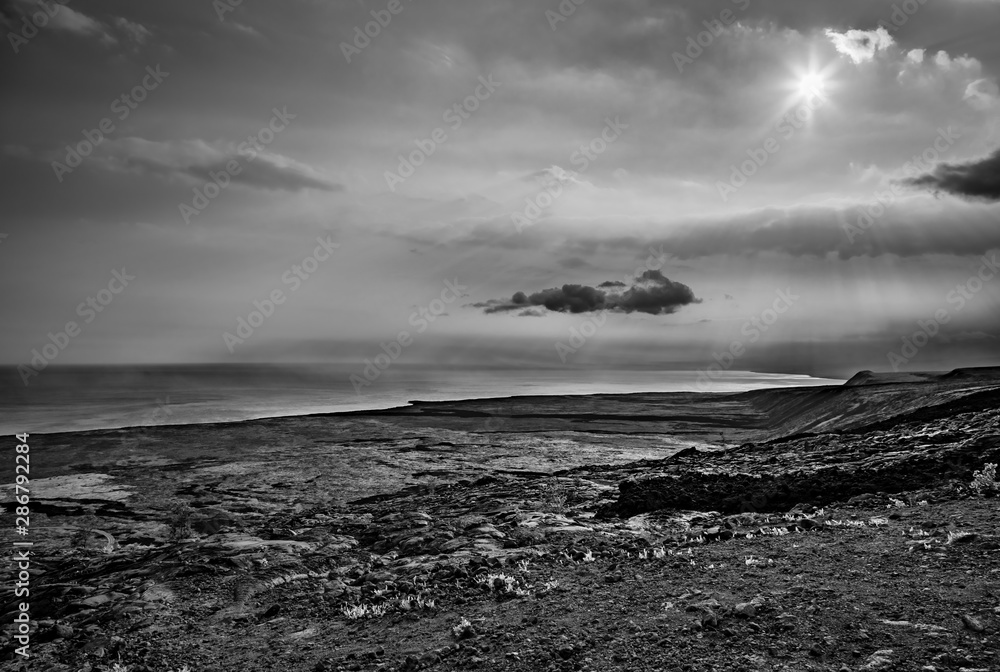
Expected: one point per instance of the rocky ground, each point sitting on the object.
(606, 533)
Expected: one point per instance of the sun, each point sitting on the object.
(810, 80)
(810, 84)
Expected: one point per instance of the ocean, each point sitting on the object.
(80, 398)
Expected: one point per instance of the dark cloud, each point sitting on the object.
(197, 161)
(974, 179)
(650, 293)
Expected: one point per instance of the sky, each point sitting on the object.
(772, 185)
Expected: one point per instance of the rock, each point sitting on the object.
(710, 604)
(565, 652)
(972, 623)
(706, 612)
(880, 660)
(786, 621)
(94, 601)
(63, 630)
(745, 610)
(964, 538)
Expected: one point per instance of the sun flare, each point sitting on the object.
(811, 83)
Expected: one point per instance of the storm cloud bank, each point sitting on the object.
(974, 179)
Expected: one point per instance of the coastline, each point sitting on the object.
(678, 524)
(163, 418)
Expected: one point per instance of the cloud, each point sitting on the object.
(650, 293)
(978, 179)
(861, 45)
(247, 30)
(62, 17)
(194, 161)
(135, 31)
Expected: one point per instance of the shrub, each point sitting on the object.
(985, 481)
(180, 521)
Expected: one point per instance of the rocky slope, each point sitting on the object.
(561, 534)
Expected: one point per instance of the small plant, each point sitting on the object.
(502, 584)
(555, 497)
(365, 611)
(985, 481)
(463, 630)
(588, 556)
(408, 603)
(774, 531)
(523, 564)
(550, 585)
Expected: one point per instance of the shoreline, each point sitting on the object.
(415, 403)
